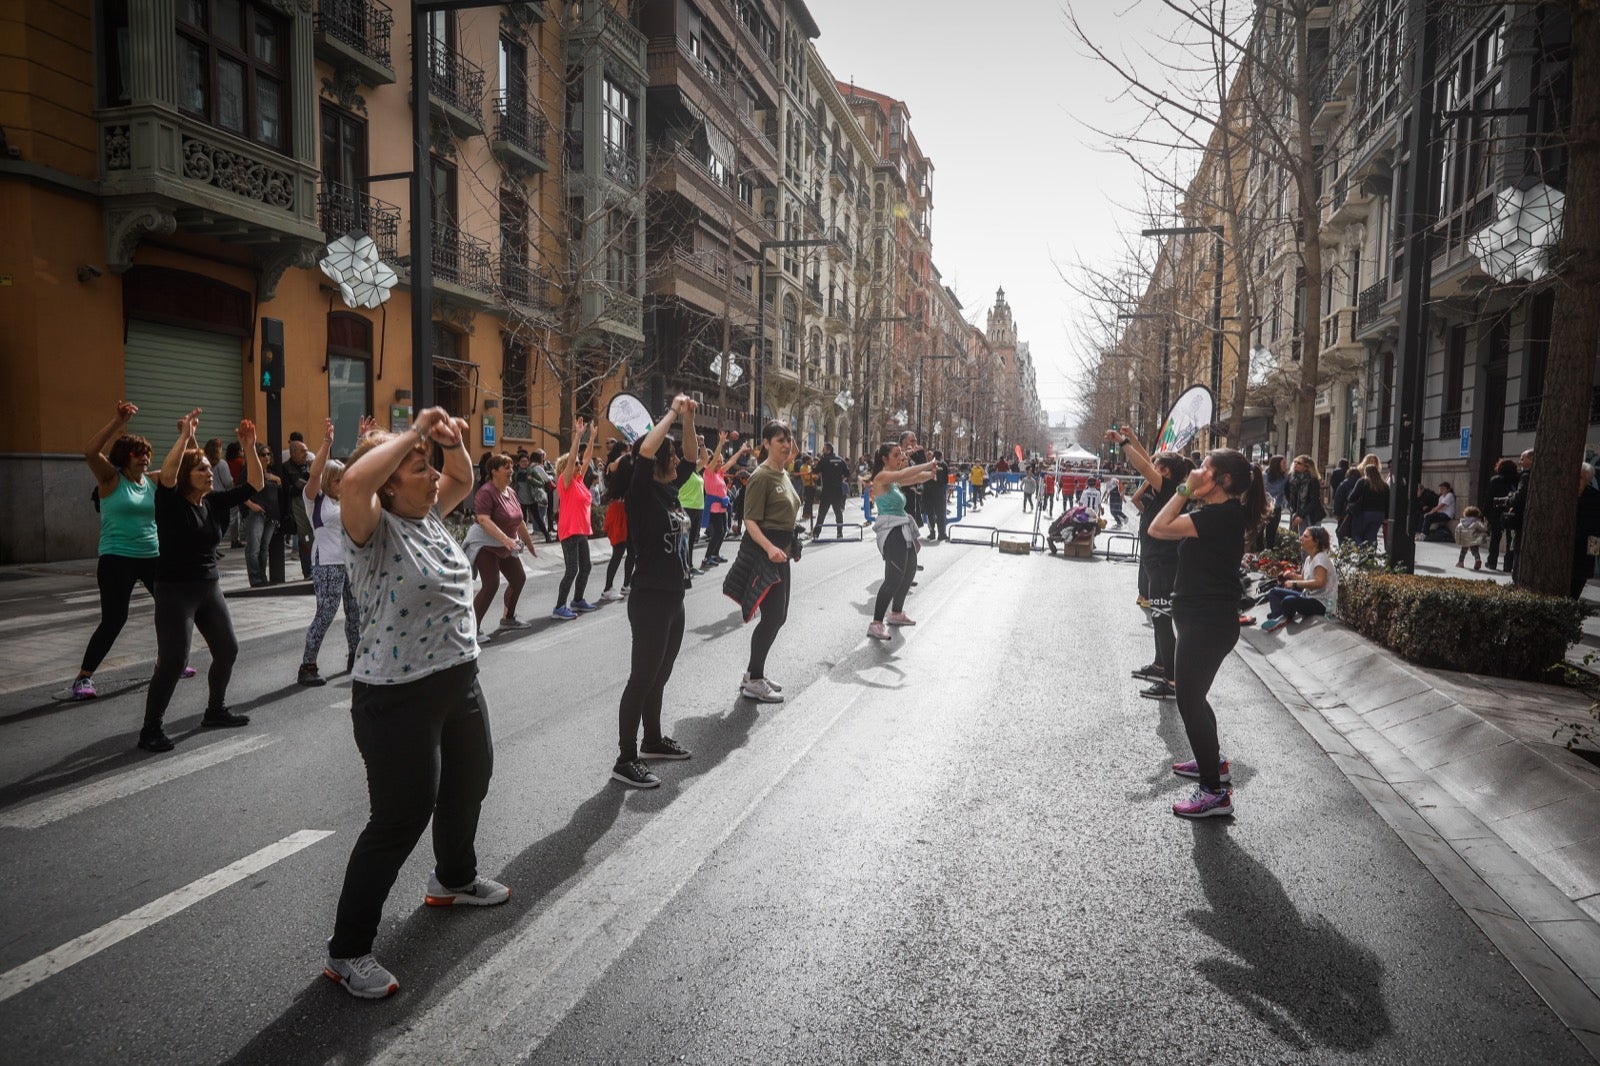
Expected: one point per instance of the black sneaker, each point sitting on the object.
(634, 774)
(1153, 672)
(665, 748)
(157, 741)
(1161, 690)
(309, 675)
(222, 718)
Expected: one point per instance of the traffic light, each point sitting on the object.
(272, 361)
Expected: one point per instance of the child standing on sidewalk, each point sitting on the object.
(1471, 533)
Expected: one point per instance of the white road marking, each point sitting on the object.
(119, 929)
(510, 1005)
(75, 801)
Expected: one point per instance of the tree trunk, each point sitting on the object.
(1310, 247)
(1550, 524)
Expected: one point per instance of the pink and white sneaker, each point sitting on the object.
(1205, 804)
(899, 618)
(1192, 769)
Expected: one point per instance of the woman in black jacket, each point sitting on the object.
(1368, 505)
(1501, 486)
(1303, 494)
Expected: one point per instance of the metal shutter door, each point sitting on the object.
(169, 371)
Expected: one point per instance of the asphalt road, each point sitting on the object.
(955, 847)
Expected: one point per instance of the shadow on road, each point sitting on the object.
(1162, 781)
(1306, 981)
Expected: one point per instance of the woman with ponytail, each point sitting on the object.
(771, 508)
(1229, 502)
(897, 534)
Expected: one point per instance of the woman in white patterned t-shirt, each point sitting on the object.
(420, 720)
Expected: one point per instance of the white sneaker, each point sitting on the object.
(362, 977)
(878, 631)
(611, 595)
(773, 685)
(757, 689)
(481, 893)
(899, 618)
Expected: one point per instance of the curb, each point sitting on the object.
(1472, 800)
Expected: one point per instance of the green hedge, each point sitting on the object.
(1480, 627)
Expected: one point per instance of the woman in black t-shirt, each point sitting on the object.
(658, 534)
(1158, 559)
(190, 520)
(1230, 502)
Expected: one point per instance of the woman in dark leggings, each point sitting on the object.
(1230, 503)
(718, 502)
(128, 544)
(575, 523)
(771, 509)
(619, 472)
(1158, 559)
(500, 539)
(658, 528)
(897, 535)
(191, 520)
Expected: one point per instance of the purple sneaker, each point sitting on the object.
(83, 689)
(1192, 769)
(1204, 804)
(188, 672)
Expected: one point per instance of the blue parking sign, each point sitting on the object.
(1466, 440)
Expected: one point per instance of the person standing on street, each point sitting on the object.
(897, 536)
(771, 509)
(913, 493)
(1158, 558)
(1230, 502)
(833, 472)
(417, 711)
(718, 500)
(495, 545)
(190, 520)
(936, 495)
(1501, 488)
(296, 476)
(261, 513)
(658, 527)
(575, 521)
(129, 547)
(328, 577)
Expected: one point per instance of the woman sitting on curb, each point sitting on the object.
(1315, 591)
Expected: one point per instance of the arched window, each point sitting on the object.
(833, 358)
(791, 332)
(814, 348)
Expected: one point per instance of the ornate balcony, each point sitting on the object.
(343, 211)
(1369, 306)
(521, 133)
(613, 308)
(525, 287)
(621, 166)
(353, 35)
(461, 264)
(455, 89)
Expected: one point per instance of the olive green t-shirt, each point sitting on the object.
(770, 500)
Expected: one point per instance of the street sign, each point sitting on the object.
(1466, 440)
(489, 430)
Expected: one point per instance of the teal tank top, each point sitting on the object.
(128, 520)
(892, 502)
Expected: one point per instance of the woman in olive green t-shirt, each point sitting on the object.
(771, 509)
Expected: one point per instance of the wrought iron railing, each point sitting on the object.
(1528, 413)
(522, 284)
(455, 79)
(461, 258)
(341, 210)
(621, 166)
(364, 25)
(520, 123)
(1381, 435)
(1369, 302)
(1449, 425)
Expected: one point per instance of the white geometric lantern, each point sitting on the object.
(844, 401)
(734, 373)
(1516, 245)
(353, 263)
(900, 416)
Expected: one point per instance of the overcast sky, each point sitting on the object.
(1018, 185)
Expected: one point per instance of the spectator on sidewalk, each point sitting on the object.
(1586, 543)
(125, 497)
(544, 497)
(1501, 488)
(1314, 593)
(1341, 502)
(1436, 519)
(1030, 485)
(1276, 478)
(1471, 532)
(1515, 510)
(296, 475)
(1368, 504)
(1303, 494)
(261, 521)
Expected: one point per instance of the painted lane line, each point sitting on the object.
(75, 801)
(119, 929)
(507, 1007)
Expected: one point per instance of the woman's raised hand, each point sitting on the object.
(246, 434)
(189, 423)
(367, 425)
(125, 411)
(327, 430)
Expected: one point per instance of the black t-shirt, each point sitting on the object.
(834, 472)
(1153, 503)
(658, 529)
(1208, 564)
(190, 533)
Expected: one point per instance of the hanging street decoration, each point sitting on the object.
(734, 373)
(353, 263)
(844, 401)
(1516, 245)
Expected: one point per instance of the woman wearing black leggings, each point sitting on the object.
(771, 508)
(1230, 502)
(897, 535)
(619, 472)
(658, 529)
(191, 520)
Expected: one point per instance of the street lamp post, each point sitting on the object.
(760, 389)
(1216, 291)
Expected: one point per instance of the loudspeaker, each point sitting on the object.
(272, 360)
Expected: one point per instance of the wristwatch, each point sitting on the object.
(1183, 489)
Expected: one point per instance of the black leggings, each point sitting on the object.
(694, 528)
(489, 565)
(656, 618)
(181, 608)
(575, 553)
(429, 756)
(621, 555)
(1160, 574)
(116, 575)
(899, 569)
(774, 609)
(1204, 638)
(830, 501)
(716, 532)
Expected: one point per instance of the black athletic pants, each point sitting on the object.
(429, 755)
(1205, 636)
(716, 532)
(1161, 573)
(181, 608)
(774, 609)
(575, 553)
(834, 500)
(116, 575)
(899, 570)
(656, 618)
(621, 555)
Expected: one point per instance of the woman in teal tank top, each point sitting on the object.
(128, 543)
(897, 535)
